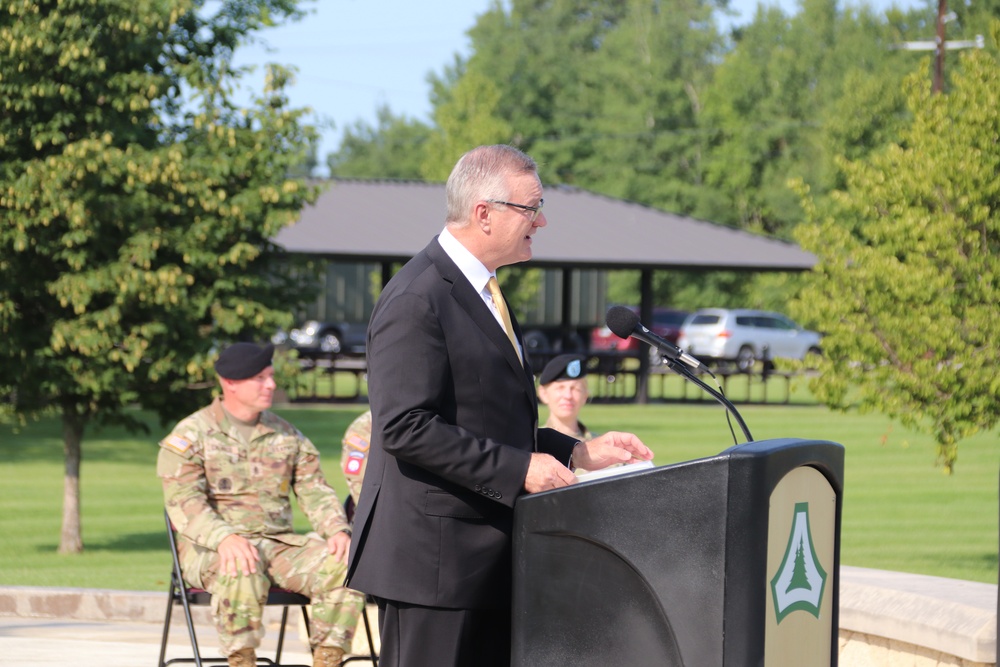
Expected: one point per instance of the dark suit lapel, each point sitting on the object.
(473, 304)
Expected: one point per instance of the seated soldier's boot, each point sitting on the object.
(327, 656)
(245, 657)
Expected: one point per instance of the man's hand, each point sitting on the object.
(237, 554)
(339, 545)
(545, 472)
(608, 449)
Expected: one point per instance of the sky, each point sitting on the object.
(354, 56)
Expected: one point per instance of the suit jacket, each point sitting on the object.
(455, 420)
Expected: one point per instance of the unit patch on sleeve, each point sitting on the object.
(353, 463)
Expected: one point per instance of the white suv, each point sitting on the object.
(744, 336)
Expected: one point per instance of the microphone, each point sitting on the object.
(624, 323)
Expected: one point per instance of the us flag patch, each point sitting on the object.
(358, 442)
(177, 443)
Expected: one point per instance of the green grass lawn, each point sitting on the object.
(900, 511)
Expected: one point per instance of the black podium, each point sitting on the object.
(731, 560)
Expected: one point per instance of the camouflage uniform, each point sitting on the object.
(216, 484)
(354, 457)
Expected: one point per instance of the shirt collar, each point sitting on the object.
(473, 270)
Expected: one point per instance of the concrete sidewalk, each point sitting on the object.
(88, 632)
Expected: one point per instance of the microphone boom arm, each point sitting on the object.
(681, 370)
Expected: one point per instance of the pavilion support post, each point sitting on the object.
(645, 316)
(566, 329)
(386, 274)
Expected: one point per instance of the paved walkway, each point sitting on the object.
(886, 618)
(108, 640)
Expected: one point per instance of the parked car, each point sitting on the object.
(552, 339)
(325, 339)
(743, 337)
(666, 323)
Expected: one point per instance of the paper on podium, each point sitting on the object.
(591, 475)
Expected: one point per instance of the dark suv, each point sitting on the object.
(325, 339)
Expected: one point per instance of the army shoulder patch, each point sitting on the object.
(176, 443)
(353, 463)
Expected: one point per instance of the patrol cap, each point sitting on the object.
(240, 361)
(563, 367)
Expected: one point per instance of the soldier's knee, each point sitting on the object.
(329, 576)
(253, 586)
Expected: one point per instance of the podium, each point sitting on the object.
(727, 561)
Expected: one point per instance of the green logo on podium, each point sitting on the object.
(801, 579)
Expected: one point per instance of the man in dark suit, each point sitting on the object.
(455, 436)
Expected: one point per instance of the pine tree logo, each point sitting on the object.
(801, 579)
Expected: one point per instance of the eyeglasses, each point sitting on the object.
(534, 210)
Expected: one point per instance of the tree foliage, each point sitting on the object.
(794, 92)
(467, 119)
(604, 95)
(905, 287)
(392, 148)
(137, 203)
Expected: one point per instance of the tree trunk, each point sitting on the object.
(71, 539)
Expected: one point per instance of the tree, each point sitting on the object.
(905, 285)
(136, 204)
(604, 94)
(646, 83)
(467, 119)
(393, 148)
(794, 92)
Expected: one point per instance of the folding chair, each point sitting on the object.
(188, 596)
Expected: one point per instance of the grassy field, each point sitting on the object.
(900, 511)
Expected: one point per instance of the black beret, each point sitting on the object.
(563, 367)
(240, 361)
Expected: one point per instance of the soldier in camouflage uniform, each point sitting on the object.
(227, 471)
(354, 456)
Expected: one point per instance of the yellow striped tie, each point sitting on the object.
(501, 307)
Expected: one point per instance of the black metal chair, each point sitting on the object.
(188, 596)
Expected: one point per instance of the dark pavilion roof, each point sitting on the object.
(393, 220)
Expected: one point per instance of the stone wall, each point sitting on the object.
(890, 619)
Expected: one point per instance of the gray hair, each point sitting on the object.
(482, 174)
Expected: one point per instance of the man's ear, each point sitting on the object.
(482, 213)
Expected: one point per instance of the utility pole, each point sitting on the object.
(938, 85)
(940, 45)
